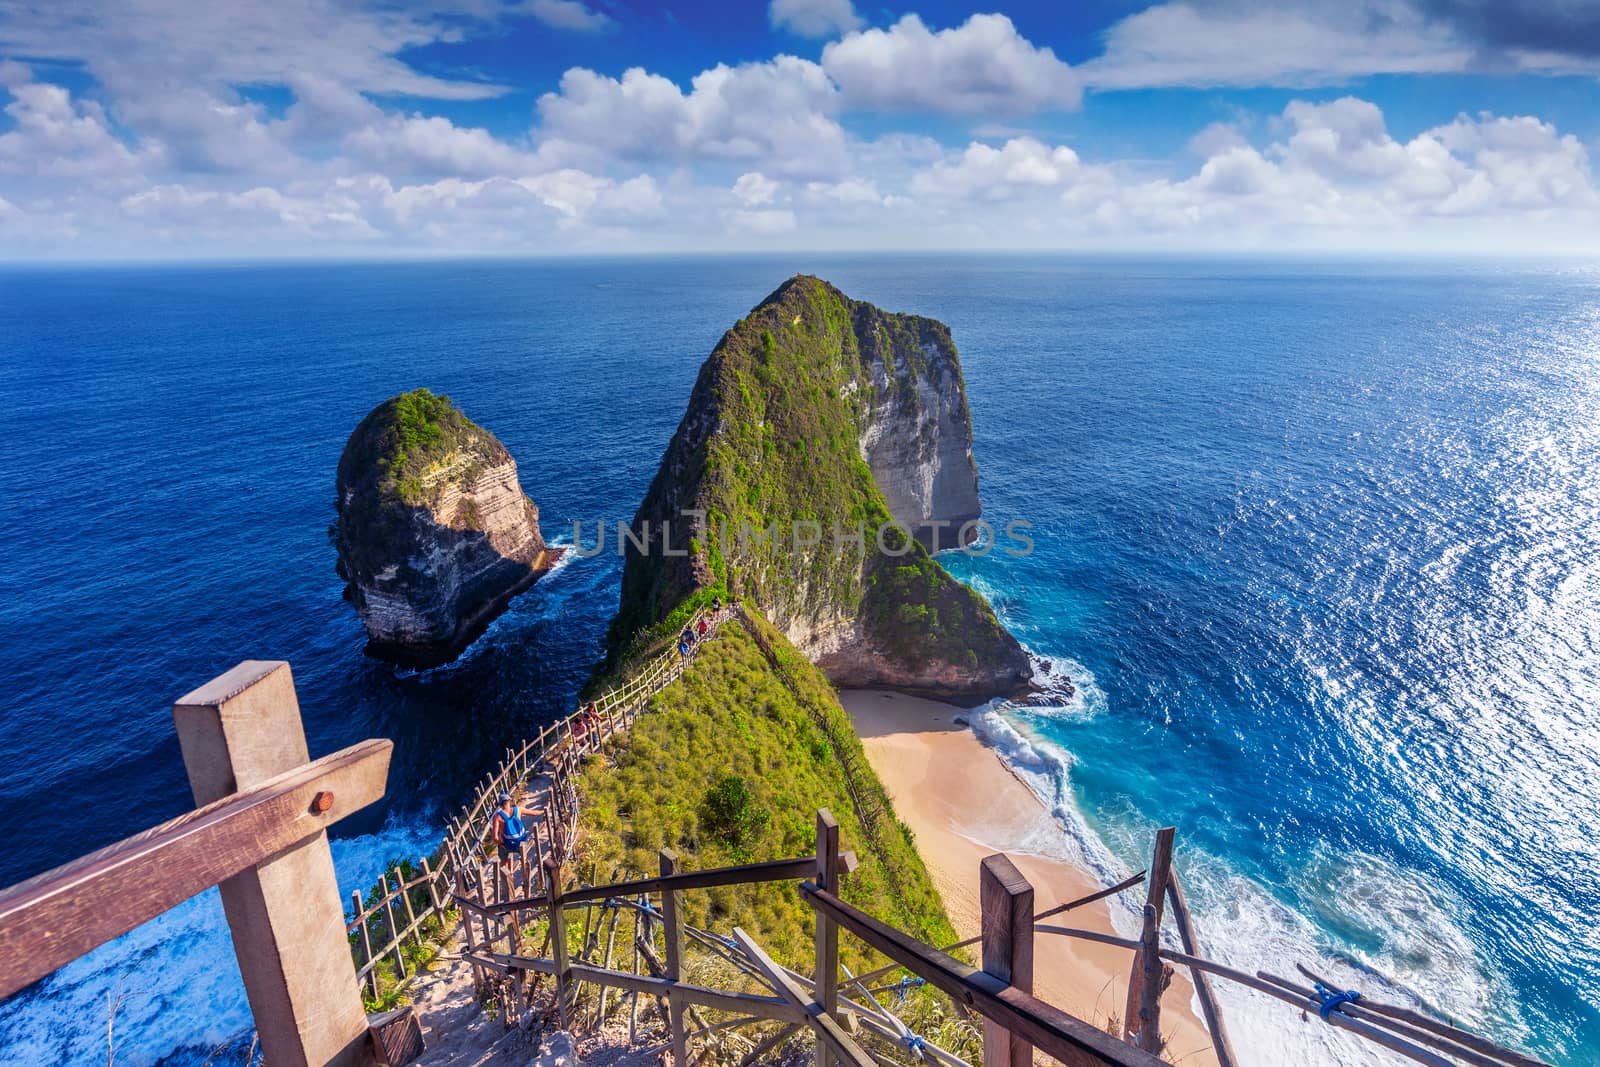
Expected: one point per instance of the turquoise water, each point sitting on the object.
(1318, 544)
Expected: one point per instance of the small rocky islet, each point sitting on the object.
(434, 533)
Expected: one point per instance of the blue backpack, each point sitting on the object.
(513, 833)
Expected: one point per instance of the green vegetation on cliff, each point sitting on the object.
(771, 438)
(391, 470)
(752, 709)
(409, 438)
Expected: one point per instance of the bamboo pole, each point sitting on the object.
(1144, 1005)
(1209, 1009)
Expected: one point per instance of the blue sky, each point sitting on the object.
(177, 128)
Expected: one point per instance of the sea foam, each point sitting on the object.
(1400, 942)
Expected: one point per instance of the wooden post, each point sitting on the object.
(1209, 1009)
(1145, 1028)
(466, 932)
(672, 928)
(827, 935)
(1145, 1002)
(1006, 902)
(433, 892)
(558, 938)
(365, 943)
(411, 912)
(394, 928)
(236, 732)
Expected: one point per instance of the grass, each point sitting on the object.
(432, 931)
(752, 710)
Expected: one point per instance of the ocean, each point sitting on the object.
(1317, 543)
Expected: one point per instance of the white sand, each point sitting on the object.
(963, 804)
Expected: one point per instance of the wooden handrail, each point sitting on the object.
(52, 919)
(1067, 1038)
(768, 871)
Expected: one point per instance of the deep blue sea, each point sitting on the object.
(1318, 542)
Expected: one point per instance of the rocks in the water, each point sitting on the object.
(818, 422)
(434, 533)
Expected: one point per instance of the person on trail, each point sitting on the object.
(702, 627)
(688, 636)
(509, 831)
(683, 648)
(716, 604)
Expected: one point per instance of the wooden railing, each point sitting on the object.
(842, 1010)
(399, 906)
(260, 834)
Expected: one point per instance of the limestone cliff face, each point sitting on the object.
(917, 433)
(434, 533)
(816, 422)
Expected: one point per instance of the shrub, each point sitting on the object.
(730, 812)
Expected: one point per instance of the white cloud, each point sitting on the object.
(1194, 43)
(983, 172)
(1217, 137)
(418, 144)
(569, 15)
(53, 135)
(1335, 176)
(983, 66)
(774, 113)
(767, 222)
(197, 130)
(1310, 42)
(755, 188)
(149, 46)
(849, 191)
(814, 18)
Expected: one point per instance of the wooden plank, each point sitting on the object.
(505, 963)
(1141, 1019)
(672, 930)
(716, 999)
(1209, 1010)
(1410, 1033)
(1101, 894)
(827, 934)
(840, 1044)
(769, 871)
(1066, 1037)
(50, 920)
(1006, 905)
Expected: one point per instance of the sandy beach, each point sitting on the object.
(963, 804)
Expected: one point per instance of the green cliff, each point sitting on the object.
(774, 488)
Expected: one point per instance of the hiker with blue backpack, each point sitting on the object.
(510, 833)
